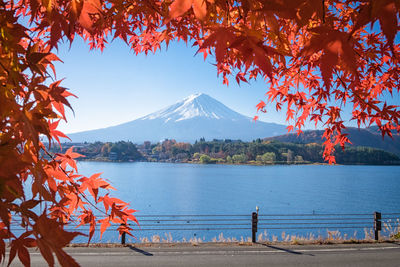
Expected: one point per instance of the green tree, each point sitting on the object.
(239, 158)
(268, 157)
(205, 159)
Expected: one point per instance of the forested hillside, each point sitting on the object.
(369, 137)
(228, 151)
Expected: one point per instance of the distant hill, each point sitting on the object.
(194, 117)
(368, 137)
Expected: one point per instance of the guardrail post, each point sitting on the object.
(377, 224)
(123, 236)
(254, 221)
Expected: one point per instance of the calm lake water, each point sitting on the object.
(163, 188)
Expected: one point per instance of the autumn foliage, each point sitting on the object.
(316, 57)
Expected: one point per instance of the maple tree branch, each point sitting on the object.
(1, 64)
(341, 81)
(74, 184)
(356, 95)
(227, 12)
(343, 84)
(241, 17)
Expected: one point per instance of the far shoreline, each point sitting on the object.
(240, 164)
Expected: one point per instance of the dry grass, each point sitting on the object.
(392, 229)
(390, 233)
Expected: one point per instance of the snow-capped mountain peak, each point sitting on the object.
(197, 116)
(195, 106)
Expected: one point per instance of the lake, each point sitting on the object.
(164, 188)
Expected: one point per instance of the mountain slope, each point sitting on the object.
(369, 137)
(192, 118)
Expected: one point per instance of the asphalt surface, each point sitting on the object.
(382, 254)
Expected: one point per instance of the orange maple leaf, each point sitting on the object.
(261, 106)
(179, 7)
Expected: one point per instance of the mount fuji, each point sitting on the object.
(192, 118)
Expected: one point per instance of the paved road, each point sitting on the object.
(233, 255)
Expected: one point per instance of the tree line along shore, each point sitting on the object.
(257, 152)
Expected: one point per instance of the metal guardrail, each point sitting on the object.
(254, 222)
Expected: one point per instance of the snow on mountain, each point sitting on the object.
(197, 105)
(194, 117)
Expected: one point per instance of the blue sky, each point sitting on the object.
(117, 86)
